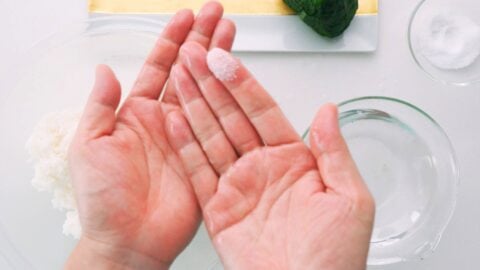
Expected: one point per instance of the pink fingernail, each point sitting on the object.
(318, 141)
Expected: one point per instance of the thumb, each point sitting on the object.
(99, 115)
(336, 165)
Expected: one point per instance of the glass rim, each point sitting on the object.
(417, 61)
(407, 105)
(451, 161)
(74, 30)
(389, 99)
(14, 258)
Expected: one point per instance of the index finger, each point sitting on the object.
(155, 72)
(260, 108)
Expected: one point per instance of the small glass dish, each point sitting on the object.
(409, 166)
(448, 16)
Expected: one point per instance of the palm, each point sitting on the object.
(272, 211)
(136, 176)
(272, 203)
(134, 198)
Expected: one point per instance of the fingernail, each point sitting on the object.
(99, 76)
(318, 141)
(222, 64)
(175, 17)
(315, 138)
(98, 70)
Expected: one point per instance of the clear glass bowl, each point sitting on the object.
(409, 166)
(421, 18)
(55, 75)
(58, 74)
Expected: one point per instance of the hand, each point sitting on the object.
(269, 202)
(136, 205)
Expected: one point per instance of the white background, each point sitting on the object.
(302, 82)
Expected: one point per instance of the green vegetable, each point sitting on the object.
(329, 18)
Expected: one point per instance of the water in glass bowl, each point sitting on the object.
(398, 167)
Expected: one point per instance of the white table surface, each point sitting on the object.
(302, 82)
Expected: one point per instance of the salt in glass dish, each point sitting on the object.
(460, 11)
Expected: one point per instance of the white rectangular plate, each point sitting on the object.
(287, 33)
(290, 34)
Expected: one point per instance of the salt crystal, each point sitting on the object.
(450, 41)
(222, 64)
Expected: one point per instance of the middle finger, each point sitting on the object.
(235, 123)
(207, 130)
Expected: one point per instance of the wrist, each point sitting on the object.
(90, 254)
